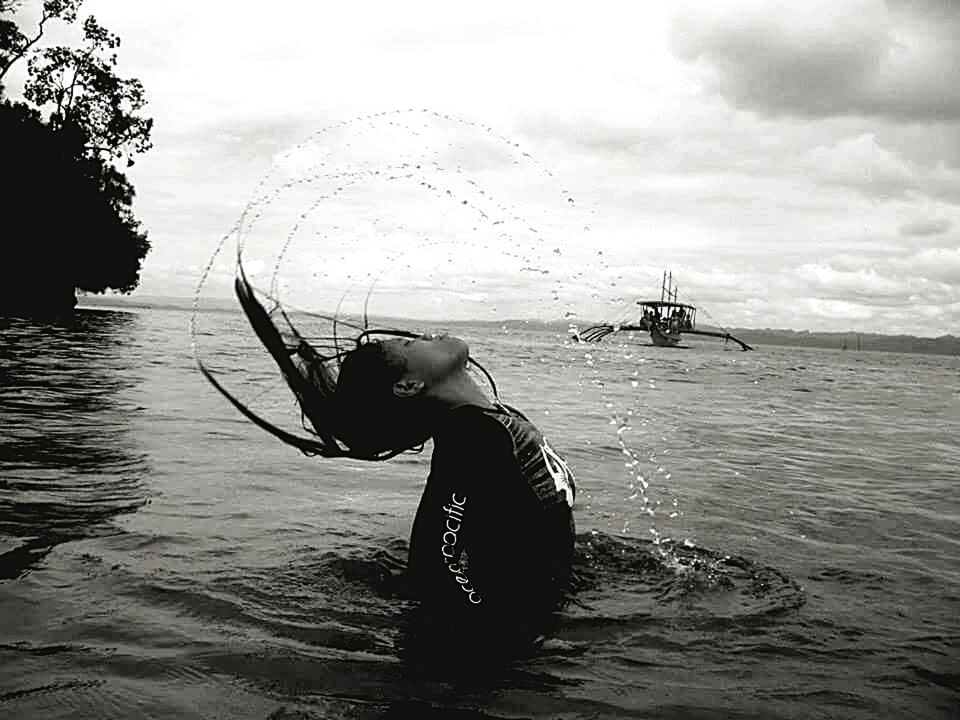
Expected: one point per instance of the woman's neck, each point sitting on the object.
(457, 390)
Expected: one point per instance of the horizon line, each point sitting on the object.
(173, 302)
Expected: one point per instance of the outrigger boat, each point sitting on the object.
(666, 319)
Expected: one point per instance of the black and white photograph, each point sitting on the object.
(516, 360)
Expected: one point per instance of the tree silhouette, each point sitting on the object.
(67, 219)
(83, 90)
(14, 44)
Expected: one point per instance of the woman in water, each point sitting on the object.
(492, 541)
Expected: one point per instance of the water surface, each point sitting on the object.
(763, 535)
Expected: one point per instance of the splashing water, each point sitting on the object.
(643, 442)
(445, 217)
(411, 218)
(407, 218)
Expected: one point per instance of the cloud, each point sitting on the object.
(843, 310)
(861, 284)
(925, 226)
(927, 278)
(916, 293)
(892, 60)
(862, 163)
(936, 268)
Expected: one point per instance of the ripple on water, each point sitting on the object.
(68, 457)
(623, 578)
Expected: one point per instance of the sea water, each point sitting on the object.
(767, 535)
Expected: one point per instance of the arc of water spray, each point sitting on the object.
(263, 198)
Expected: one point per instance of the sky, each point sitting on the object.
(794, 164)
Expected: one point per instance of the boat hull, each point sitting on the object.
(662, 339)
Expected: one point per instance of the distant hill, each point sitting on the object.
(152, 301)
(943, 345)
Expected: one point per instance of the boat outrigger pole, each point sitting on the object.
(724, 335)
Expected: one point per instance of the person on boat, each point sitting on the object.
(492, 541)
(674, 323)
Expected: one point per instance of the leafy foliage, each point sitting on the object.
(67, 218)
(14, 44)
(83, 89)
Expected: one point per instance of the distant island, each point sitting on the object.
(850, 341)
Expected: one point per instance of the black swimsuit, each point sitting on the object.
(492, 541)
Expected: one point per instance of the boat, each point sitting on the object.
(666, 320)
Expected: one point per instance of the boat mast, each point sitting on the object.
(668, 291)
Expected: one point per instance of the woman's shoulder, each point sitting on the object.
(475, 426)
(472, 417)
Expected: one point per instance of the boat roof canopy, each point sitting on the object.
(664, 303)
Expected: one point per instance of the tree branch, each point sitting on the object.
(76, 76)
(26, 48)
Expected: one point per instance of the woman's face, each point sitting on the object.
(429, 358)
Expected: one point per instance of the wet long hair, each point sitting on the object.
(370, 418)
(346, 397)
